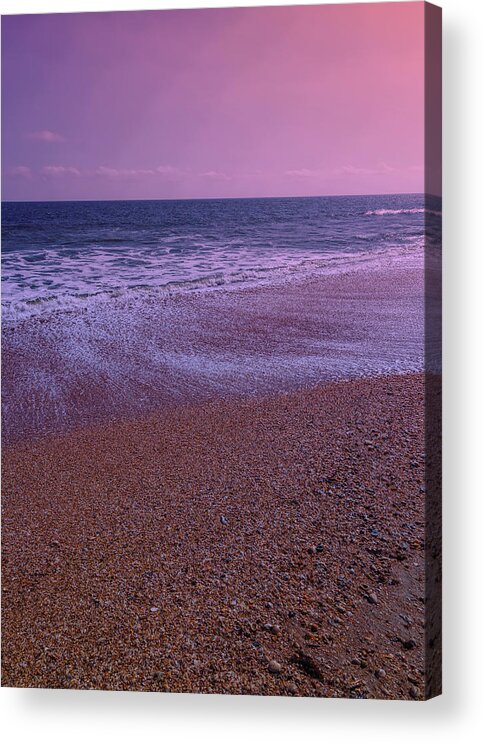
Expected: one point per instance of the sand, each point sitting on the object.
(270, 545)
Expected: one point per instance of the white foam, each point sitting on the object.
(383, 212)
(90, 284)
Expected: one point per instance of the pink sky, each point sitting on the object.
(214, 103)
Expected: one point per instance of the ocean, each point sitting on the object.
(65, 255)
(117, 307)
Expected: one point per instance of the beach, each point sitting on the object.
(221, 352)
(226, 483)
(256, 546)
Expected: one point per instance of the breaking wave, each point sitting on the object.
(383, 212)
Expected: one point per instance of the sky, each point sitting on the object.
(219, 103)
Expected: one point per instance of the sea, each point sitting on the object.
(66, 255)
(139, 302)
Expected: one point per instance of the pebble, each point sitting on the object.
(380, 674)
(292, 689)
(409, 644)
(223, 520)
(275, 629)
(413, 692)
(153, 609)
(372, 598)
(274, 667)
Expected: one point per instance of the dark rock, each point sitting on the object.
(409, 644)
(309, 665)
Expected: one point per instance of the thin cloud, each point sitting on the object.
(215, 174)
(112, 172)
(45, 135)
(169, 170)
(21, 171)
(56, 171)
(382, 168)
(304, 172)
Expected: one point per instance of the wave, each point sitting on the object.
(383, 212)
(35, 305)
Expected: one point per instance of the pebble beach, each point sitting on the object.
(270, 545)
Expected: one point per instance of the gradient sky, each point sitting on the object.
(213, 103)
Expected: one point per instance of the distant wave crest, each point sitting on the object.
(383, 212)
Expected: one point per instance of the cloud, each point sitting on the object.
(382, 168)
(21, 171)
(45, 135)
(59, 171)
(304, 173)
(169, 170)
(112, 172)
(215, 174)
(103, 171)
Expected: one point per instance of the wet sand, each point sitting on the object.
(267, 545)
(128, 357)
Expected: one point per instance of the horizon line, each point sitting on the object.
(217, 198)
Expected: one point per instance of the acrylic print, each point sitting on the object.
(221, 351)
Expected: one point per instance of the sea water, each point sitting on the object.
(119, 306)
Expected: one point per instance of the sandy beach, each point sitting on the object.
(267, 545)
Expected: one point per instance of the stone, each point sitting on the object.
(380, 674)
(223, 520)
(409, 644)
(413, 692)
(372, 598)
(274, 667)
(272, 628)
(309, 665)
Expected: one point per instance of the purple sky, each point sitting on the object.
(213, 103)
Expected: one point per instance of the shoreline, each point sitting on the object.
(127, 361)
(269, 545)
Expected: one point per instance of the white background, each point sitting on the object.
(81, 715)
